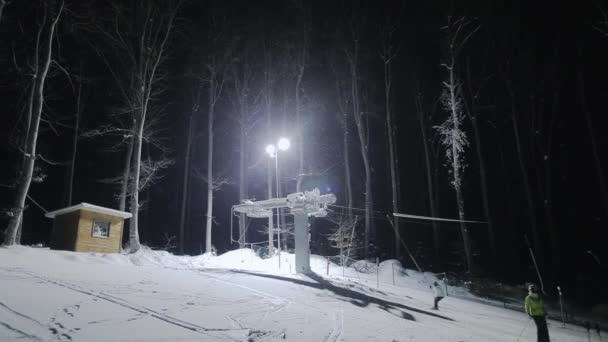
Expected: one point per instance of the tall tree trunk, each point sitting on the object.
(186, 179)
(25, 176)
(2, 4)
(545, 149)
(75, 141)
(483, 179)
(347, 173)
(126, 173)
(390, 132)
(429, 177)
(134, 244)
(301, 58)
(210, 119)
(522, 168)
(268, 80)
(594, 148)
(29, 116)
(343, 120)
(281, 222)
(472, 113)
(457, 166)
(242, 184)
(299, 128)
(146, 192)
(150, 57)
(353, 59)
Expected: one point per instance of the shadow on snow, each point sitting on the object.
(356, 298)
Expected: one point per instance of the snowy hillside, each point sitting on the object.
(67, 296)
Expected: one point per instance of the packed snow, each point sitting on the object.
(48, 295)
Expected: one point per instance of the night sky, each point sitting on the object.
(552, 57)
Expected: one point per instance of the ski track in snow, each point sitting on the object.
(337, 327)
(21, 333)
(279, 303)
(60, 296)
(62, 334)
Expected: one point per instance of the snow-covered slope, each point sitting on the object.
(151, 295)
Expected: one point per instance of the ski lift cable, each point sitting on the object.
(430, 218)
(384, 218)
(377, 215)
(353, 208)
(37, 204)
(382, 215)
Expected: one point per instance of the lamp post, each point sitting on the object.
(273, 151)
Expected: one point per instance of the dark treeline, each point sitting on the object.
(486, 112)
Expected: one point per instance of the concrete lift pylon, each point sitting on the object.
(301, 205)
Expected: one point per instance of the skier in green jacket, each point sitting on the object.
(535, 308)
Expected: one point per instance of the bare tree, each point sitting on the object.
(269, 80)
(342, 99)
(191, 124)
(77, 116)
(352, 55)
(388, 53)
(454, 139)
(42, 61)
(472, 111)
(126, 172)
(522, 165)
(603, 189)
(157, 28)
(2, 4)
(542, 126)
(343, 237)
(139, 34)
(243, 99)
(602, 28)
(215, 84)
(428, 151)
(300, 66)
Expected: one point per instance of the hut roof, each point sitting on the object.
(89, 207)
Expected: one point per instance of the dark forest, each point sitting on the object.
(484, 113)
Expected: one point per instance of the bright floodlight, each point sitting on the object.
(283, 144)
(270, 149)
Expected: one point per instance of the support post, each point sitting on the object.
(561, 306)
(377, 272)
(302, 245)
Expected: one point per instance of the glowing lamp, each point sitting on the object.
(283, 144)
(271, 150)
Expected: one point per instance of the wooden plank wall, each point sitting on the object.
(85, 241)
(64, 232)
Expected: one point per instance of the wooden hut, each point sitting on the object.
(87, 228)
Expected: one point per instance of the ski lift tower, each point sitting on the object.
(301, 205)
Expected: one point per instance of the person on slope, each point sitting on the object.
(535, 308)
(438, 292)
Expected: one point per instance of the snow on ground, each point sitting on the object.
(65, 296)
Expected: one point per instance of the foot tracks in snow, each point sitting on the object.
(218, 333)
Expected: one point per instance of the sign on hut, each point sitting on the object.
(87, 228)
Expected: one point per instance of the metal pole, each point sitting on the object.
(377, 272)
(271, 218)
(561, 306)
(540, 279)
(276, 169)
